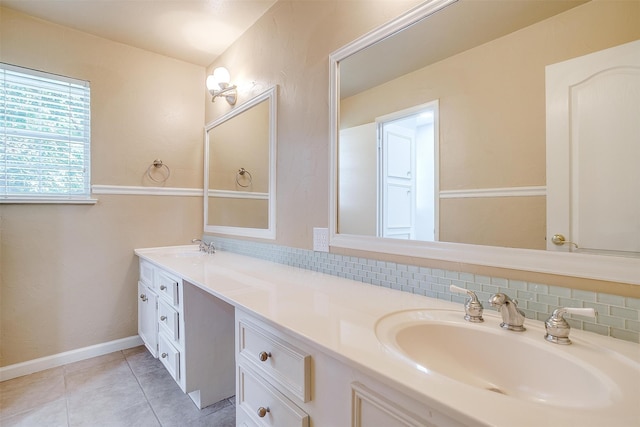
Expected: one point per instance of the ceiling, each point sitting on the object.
(195, 31)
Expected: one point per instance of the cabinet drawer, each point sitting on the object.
(265, 405)
(243, 419)
(169, 356)
(275, 359)
(168, 287)
(168, 321)
(146, 273)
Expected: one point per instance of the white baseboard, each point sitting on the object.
(53, 361)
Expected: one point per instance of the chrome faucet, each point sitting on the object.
(204, 246)
(558, 328)
(472, 306)
(512, 316)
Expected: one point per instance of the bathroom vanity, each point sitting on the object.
(190, 331)
(301, 348)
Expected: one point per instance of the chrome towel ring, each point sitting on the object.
(241, 176)
(159, 166)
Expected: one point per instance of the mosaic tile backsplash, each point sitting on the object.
(618, 316)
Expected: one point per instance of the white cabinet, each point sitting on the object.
(280, 379)
(147, 325)
(190, 330)
(287, 381)
(273, 376)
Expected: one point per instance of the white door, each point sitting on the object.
(398, 181)
(593, 151)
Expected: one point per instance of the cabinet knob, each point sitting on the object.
(263, 356)
(163, 287)
(143, 297)
(164, 355)
(163, 318)
(262, 411)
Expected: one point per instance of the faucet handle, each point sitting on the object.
(472, 307)
(202, 247)
(558, 328)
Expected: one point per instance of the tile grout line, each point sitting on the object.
(66, 398)
(146, 398)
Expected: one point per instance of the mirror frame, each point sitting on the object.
(588, 266)
(271, 96)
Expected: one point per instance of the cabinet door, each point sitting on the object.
(147, 323)
(371, 409)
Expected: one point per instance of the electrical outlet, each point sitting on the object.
(321, 239)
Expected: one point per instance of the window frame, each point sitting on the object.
(53, 198)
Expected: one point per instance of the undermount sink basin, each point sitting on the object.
(521, 365)
(189, 254)
(186, 252)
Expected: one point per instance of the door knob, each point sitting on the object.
(559, 240)
(263, 356)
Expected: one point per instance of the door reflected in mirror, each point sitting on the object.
(240, 170)
(400, 151)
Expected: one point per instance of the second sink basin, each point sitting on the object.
(519, 365)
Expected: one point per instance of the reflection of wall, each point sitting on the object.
(68, 272)
(228, 212)
(241, 142)
(357, 199)
(492, 110)
(495, 221)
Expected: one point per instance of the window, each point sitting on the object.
(44, 137)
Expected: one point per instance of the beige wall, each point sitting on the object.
(68, 272)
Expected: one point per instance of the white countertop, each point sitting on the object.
(339, 316)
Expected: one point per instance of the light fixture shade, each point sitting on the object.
(218, 84)
(221, 76)
(211, 83)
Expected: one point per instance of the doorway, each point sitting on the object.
(407, 178)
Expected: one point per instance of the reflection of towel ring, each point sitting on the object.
(241, 173)
(158, 165)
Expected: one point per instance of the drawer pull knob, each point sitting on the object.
(262, 411)
(163, 287)
(163, 318)
(143, 297)
(164, 355)
(263, 356)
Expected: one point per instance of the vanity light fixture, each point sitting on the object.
(218, 85)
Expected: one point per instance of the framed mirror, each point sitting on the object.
(240, 169)
(471, 75)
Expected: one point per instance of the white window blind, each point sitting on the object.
(45, 136)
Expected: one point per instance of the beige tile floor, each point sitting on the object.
(127, 388)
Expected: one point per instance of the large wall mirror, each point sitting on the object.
(455, 136)
(239, 177)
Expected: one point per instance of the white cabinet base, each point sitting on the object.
(209, 359)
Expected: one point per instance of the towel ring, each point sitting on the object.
(157, 164)
(241, 173)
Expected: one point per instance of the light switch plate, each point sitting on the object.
(321, 239)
